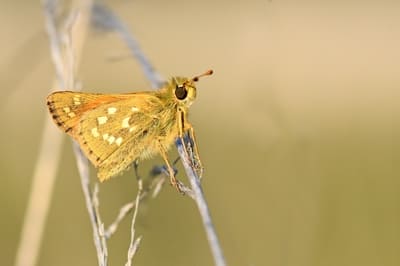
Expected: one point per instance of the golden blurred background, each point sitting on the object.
(298, 131)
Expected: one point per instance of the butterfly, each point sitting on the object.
(115, 130)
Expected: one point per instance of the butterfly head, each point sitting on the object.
(184, 89)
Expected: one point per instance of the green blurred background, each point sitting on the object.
(298, 130)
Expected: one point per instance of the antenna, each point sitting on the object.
(207, 73)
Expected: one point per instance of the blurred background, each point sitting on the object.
(298, 132)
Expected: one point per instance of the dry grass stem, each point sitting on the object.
(50, 149)
(134, 243)
(39, 197)
(128, 207)
(158, 186)
(105, 19)
(92, 204)
(100, 224)
(202, 206)
(123, 212)
(152, 190)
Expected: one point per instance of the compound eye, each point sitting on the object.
(181, 92)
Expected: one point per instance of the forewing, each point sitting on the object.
(67, 107)
(114, 134)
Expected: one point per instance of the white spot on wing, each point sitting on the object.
(111, 139)
(105, 136)
(125, 122)
(118, 141)
(135, 109)
(67, 110)
(111, 110)
(102, 119)
(132, 129)
(77, 100)
(95, 132)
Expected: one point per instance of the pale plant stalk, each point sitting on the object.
(39, 197)
(123, 212)
(202, 206)
(151, 190)
(134, 243)
(50, 149)
(92, 205)
(76, 25)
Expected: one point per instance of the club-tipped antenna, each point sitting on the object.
(207, 73)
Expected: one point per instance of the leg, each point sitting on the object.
(196, 157)
(138, 178)
(135, 168)
(184, 125)
(172, 178)
(176, 161)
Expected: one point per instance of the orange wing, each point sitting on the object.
(67, 107)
